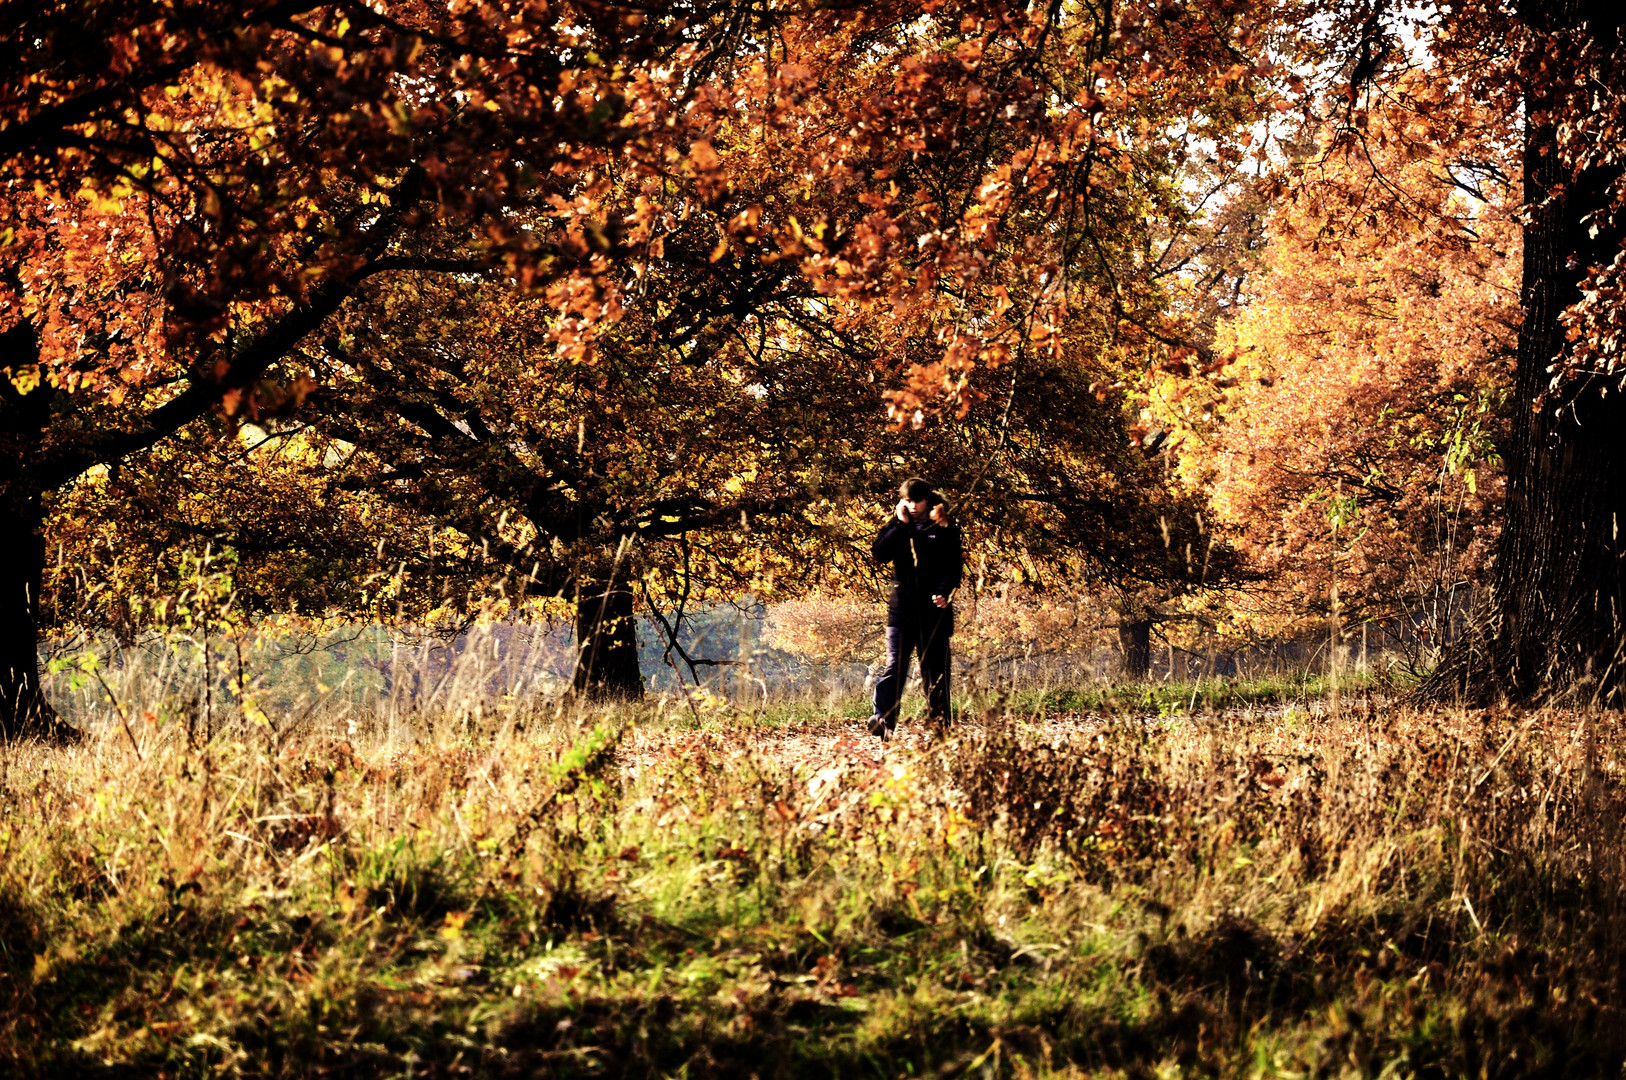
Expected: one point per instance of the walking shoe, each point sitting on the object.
(878, 727)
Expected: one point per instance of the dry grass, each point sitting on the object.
(1383, 893)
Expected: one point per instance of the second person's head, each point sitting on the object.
(920, 497)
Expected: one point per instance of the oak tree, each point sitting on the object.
(891, 207)
(191, 189)
(1551, 618)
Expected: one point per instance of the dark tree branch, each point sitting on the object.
(205, 390)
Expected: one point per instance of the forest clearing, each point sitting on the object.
(764, 538)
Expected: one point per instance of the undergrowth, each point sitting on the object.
(1378, 893)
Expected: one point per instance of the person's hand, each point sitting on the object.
(939, 513)
(903, 510)
(940, 601)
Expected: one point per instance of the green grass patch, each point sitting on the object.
(1185, 697)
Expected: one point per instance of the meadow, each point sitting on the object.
(388, 388)
(1338, 887)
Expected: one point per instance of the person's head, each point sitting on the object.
(920, 497)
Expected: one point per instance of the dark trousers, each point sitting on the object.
(927, 633)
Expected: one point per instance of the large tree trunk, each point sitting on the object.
(607, 644)
(1552, 620)
(23, 419)
(23, 708)
(1135, 641)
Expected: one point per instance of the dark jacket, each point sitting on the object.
(926, 561)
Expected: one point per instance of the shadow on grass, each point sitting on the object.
(1205, 1000)
(1200, 1003)
(1205, 1004)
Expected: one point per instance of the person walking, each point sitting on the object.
(925, 550)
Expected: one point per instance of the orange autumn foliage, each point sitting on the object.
(1351, 447)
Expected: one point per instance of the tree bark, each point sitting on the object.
(24, 416)
(23, 708)
(607, 644)
(1135, 641)
(1551, 623)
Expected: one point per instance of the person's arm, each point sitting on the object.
(953, 565)
(890, 544)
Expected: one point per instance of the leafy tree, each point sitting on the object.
(578, 278)
(1551, 620)
(1557, 593)
(867, 213)
(122, 540)
(1352, 443)
(193, 188)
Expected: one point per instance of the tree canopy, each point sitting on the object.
(615, 304)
